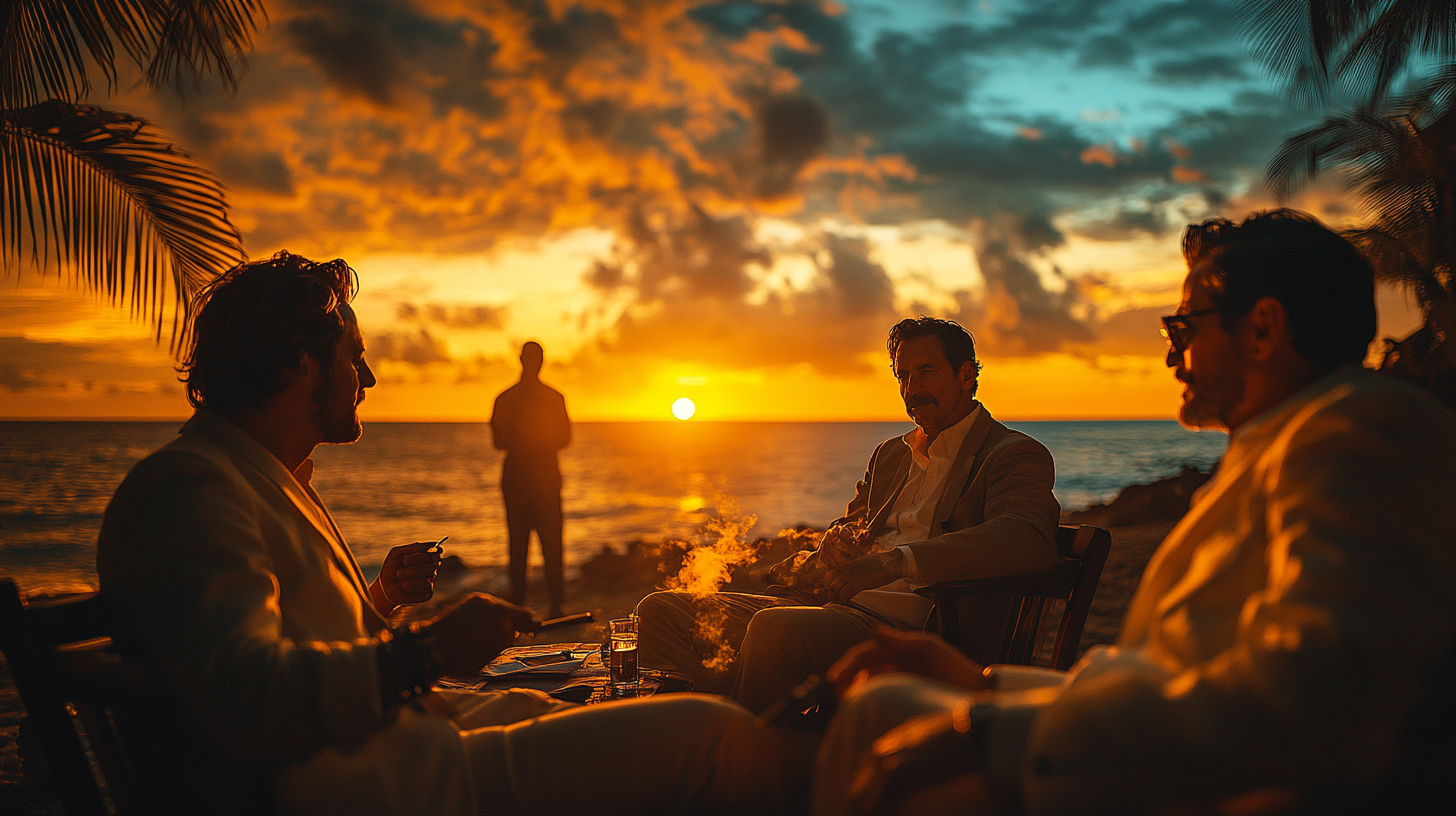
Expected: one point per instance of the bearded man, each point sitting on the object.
(961, 496)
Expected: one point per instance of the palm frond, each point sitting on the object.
(198, 35)
(46, 45)
(1402, 29)
(1393, 262)
(1302, 156)
(41, 56)
(1298, 39)
(104, 195)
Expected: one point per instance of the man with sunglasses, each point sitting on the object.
(1290, 644)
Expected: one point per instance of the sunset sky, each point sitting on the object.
(725, 201)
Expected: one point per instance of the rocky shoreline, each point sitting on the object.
(611, 583)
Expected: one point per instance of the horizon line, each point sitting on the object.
(406, 420)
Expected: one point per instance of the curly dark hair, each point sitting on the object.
(257, 320)
(1326, 286)
(959, 345)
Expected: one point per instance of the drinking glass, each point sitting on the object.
(622, 662)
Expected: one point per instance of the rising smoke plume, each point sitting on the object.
(721, 548)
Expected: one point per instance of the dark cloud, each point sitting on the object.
(793, 129)
(1127, 223)
(1200, 70)
(18, 378)
(1019, 314)
(862, 284)
(30, 365)
(688, 285)
(417, 348)
(578, 31)
(1106, 52)
(263, 170)
(352, 45)
(454, 315)
(703, 258)
(45, 366)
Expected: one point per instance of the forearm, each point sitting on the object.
(1004, 546)
(380, 598)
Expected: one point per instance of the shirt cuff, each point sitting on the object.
(911, 573)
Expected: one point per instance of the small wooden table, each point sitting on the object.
(585, 683)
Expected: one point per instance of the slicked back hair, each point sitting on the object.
(256, 321)
(1326, 286)
(959, 345)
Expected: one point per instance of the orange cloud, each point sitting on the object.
(1099, 154)
(1187, 175)
(1177, 149)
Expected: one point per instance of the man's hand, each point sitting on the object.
(872, 571)
(475, 630)
(407, 577)
(837, 545)
(915, 652)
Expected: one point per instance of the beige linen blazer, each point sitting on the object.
(1285, 633)
(241, 588)
(997, 516)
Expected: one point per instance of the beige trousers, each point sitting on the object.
(773, 644)
(521, 752)
(677, 753)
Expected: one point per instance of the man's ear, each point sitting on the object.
(305, 369)
(969, 373)
(1264, 328)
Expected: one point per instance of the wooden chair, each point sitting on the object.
(1073, 581)
(81, 694)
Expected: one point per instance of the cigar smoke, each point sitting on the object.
(720, 549)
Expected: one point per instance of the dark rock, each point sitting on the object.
(1163, 500)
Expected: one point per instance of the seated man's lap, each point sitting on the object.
(674, 753)
(479, 709)
(698, 635)
(786, 644)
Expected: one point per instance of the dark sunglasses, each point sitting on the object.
(1177, 330)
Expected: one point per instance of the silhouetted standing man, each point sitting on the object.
(529, 423)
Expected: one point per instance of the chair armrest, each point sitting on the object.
(1057, 581)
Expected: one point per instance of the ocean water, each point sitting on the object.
(623, 481)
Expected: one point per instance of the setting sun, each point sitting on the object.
(684, 408)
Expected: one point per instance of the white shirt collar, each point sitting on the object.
(945, 446)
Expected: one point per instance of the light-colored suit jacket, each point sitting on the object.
(996, 517)
(1283, 635)
(234, 577)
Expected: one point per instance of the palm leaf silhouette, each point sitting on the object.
(100, 193)
(106, 196)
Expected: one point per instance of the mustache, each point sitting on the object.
(917, 400)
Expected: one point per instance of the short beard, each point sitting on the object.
(338, 427)
(1210, 402)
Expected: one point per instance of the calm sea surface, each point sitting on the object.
(623, 481)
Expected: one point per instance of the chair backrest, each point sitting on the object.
(1034, 599)
(75, 686)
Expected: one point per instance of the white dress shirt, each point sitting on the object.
(911, 516)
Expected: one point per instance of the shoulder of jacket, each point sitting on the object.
(1002, 438)
(191, 456)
